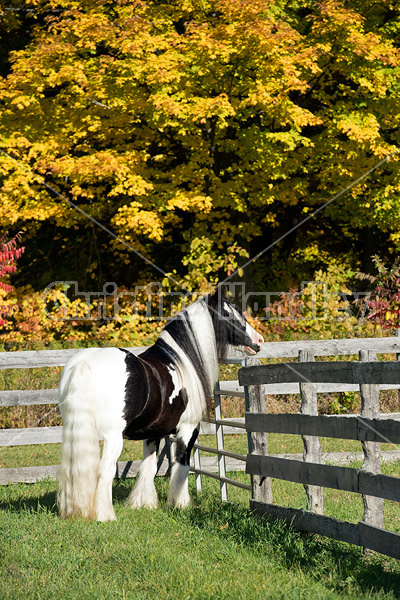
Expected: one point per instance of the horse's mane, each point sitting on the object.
(192, 331)
(203, 332)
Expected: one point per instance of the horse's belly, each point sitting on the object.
(158, 419)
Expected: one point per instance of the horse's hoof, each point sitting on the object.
(139, 503)
(178, 503)
(104, 518)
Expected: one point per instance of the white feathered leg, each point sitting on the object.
(178, 495)
(144, 493)
(103, 502)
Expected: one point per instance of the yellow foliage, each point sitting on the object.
(190, 201)
(223, 120)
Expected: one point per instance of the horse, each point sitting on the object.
(113, 394)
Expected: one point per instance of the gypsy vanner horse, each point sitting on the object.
(112, 394)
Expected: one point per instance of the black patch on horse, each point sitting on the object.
(136, 387)
(182, 452)
(148, 389)
(181, 331)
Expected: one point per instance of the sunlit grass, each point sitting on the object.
(210, 551)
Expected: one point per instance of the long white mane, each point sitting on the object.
(191, 336)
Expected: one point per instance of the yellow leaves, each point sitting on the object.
(17, 206)
(227, 111)
(202, 109)
(133, 220)
(65, 313)
(22, 101)
(372, 48)
(190, 201)
(89, 168)
(119, 171)
(337, 20)
(131, 184)
(363, 128)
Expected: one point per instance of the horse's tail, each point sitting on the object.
(80, 454)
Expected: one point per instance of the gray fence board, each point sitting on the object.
(339, 478)
(28, 474)
(389, 345)
(53, 435)
(51, 358)
(125, 469)
(28, 397)
(334, 426)
(275, 389)
(271, 423)
(324, 372)
(31, 435)
(379, 540)
(229, 388)
(21, 397)
(309, 521)
(130, 468)
(42, 358)
(359, 534)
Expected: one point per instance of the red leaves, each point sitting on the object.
(9, 254)
(382, 304)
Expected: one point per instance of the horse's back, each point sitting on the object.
(95, 378)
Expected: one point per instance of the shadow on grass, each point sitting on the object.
(340, 566)
(45, 502)
(26, 498)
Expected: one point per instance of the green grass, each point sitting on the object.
(342, 505)
(345, 506)
(209, 551)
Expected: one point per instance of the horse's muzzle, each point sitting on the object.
(256, 343)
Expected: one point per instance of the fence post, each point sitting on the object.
(261, 490)
(220, 445)
(197, 467)
(312, 447)
(373, 507)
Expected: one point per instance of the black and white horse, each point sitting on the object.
(110, 393)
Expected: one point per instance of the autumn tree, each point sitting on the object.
(200, 131)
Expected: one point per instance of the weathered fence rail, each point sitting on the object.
(353, 372)
(368, 428)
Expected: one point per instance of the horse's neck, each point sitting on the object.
(197, 323)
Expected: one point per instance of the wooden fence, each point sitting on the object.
(368, 428)
(307, 377)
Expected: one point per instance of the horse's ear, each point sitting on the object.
(223, 291)
(219, 295)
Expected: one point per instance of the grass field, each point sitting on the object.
(342, 505)
(209, 551)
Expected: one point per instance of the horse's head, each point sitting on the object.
(230, 326)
